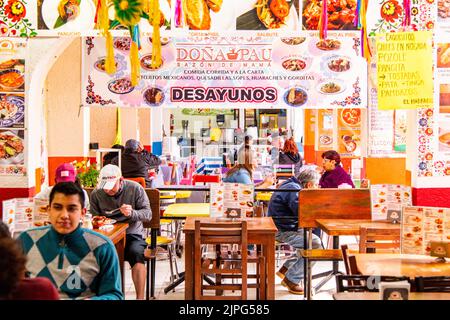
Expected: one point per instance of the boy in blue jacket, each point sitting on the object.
(81, 263)
(283, 207)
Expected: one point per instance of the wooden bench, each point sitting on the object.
(328, 204)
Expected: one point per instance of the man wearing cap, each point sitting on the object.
(129, 203)
(136, 161)
(65, 172)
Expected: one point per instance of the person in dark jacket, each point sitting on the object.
(136, 161)
(334, 175)
(290, 155)
(283, 207)
(108, 158)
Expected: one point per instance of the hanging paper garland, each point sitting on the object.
(407, 18)
(128, 13)
(118, 138)
(102, 23)
(323, 21)
(154, 19)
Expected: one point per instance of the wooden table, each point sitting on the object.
(401, 265)
(376, 296)
(183, 210)
(118, 237)
(350, 227)
(260, 231)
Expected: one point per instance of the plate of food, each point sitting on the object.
(328, 44)
(325, 139)
(11, 148)
(122, 43)
(293, 41)
(331, 86)
(164, 40)
(67, 15)
(120, 86)
(153, 96)
(294, 64)
(146, 63)
(98, 221)
(8, 64)
(100, 64)
(12, 110)
(267, 14)
(296, 96)
(351, 116)
(11, 79)
(338, 63)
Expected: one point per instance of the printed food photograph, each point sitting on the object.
(444, 98)
(294, 64)
(146, 63)
(295, 97)
(153, 96)
(443, 7)
(328, 44)
(120, 86)
(12, 147)
(351, 116)
(341, 14)
(100, 64)
(443, 55)
(207, 14)
(338, 64)
(12, 110)
(65, 15)
(267, 14)
(332, 86)
(12, 80)
(444, 136)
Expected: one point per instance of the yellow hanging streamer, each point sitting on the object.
(156, 38)
(366, 48)
(118, 138)
(134, 62)
(103, 25)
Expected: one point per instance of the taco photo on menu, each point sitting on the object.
(272, 13)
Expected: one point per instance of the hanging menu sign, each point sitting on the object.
(405, 70)
(231, 200)
(222, 71)
(421, 226)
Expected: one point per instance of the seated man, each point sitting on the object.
(137, 162)
(82, 264)
(131, 205)
(283, 207)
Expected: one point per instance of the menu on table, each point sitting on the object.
(421, 225)
(18, 213)
(231, 200)
(387, 198)
(40, 217)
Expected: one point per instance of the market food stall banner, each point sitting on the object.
(12, 106)
(405, 70)
(226, 71)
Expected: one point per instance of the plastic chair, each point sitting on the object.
(140, 180)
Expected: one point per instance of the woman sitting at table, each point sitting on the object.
(242, 172)
(290, 155)
(334, 175)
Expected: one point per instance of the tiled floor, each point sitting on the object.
(281, 293)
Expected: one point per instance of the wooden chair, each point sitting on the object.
(349, 261)
(432, 284)
(140, 180)
(328, 204)
(217, 234)
(362, 283)
(371, 239)
(150, 253)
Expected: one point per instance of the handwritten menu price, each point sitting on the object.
(421, 225)
(231, 200)
(388, 198)
(405, 70)
(18, 213)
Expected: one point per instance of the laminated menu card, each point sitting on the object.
(40, 217)
(388, 200)
(18, 213)
(231, 200)
(423, 225)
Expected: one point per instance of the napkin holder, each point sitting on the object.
(394, 216)
(440, 249)
(398, 290)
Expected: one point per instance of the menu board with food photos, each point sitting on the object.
(423, 225)
(231, 200)
(388, 199)
(18, 214)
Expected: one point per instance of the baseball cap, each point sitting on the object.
(108, 177)
(65, 173)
